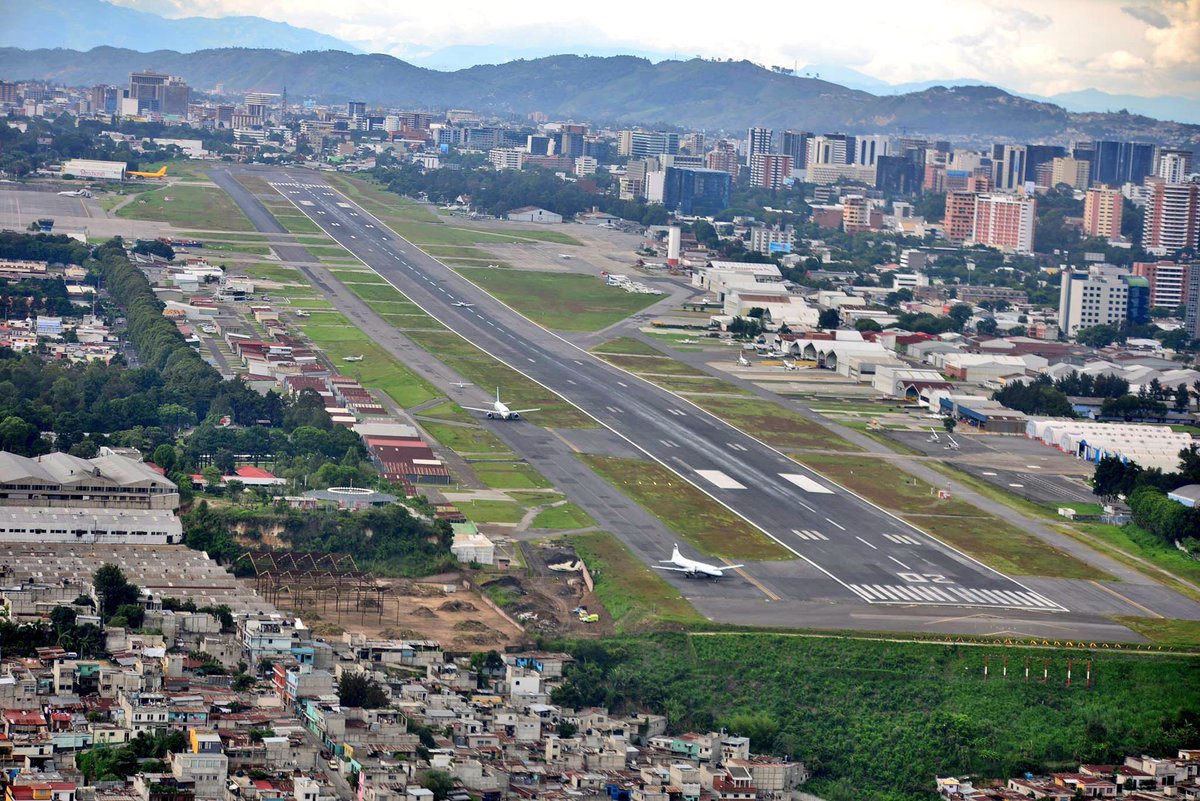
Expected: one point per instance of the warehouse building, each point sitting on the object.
(92, 168)
(1148, 446)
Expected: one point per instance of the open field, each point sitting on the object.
(492, 511)
(447, 410)
(484, 371)
(692, 385)
(235, 247)
(1176, 633)
(377, 369)
(564, 516)
(653, 366)
(989, 539)
(1150, 556)
(223, 236)
(556, 300)
(183, 169)
(466, 439)
(420, 225)
(191, 206)
(627, 345)
(510, 475)
(773, 423)
(270, 272)
(696, 517)
(637, 598)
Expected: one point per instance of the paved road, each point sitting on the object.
(919, 584)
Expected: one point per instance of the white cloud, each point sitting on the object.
(1037, 46)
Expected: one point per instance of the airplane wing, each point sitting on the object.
(723, 568)
(523, 411)
(666, 567)
(477, 409)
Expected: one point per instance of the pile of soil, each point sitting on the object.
(458, 606)
(423, 611)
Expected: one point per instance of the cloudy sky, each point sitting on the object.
(1145, 47)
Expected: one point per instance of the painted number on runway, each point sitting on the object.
(924, 578)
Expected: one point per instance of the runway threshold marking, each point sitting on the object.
(1127, 600)
(751, 579)
(720, 479)
(805, 483)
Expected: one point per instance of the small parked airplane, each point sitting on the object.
(160, 173)
(687, 341)
(357, 358)
(500, 411)
(76, 193)
(462, 305)
(743, 361)
(786, 365)
(691, 568)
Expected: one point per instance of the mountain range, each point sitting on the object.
(84, 24)
(696, 93)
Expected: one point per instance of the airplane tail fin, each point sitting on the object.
(497, 394)
(675, 554)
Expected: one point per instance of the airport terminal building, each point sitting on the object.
(110, 499)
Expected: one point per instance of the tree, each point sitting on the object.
(1099, 336)
(165, 457)
(867, 324)
(760, 727)
(154, 247)
(567, 729)
(949, 423)
(829, 318)
(356, 689)
(113, 590)
(960, 313)
(987, 326)
(440, 783)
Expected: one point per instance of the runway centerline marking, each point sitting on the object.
(864, 542)
(835, 523)
(897, 561)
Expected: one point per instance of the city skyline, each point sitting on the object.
(1045, 48)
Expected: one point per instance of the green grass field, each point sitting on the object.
(184, 169)
(447, 410)
(985, 537)
(660, 365)
(566, 516)
(492, 511)
(696, 517)
(271, 272)
(1175, 633)
(377, 369)
(190, 206)
(487, 373)
(467, 439)
(234, 247)
(774, 424)
(627, 345)
(637, 598)
(510, 475)
(564, 301)
(222, 236)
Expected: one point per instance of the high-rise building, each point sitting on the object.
(829, 149)
(1118, 163)
(856, 214)
(156, 92)
(1192, 313)
(356, 108)
(1172, 217)
(1008, 167)
(8, 92)
(1102, 209)
(105, 99)
(1073, 172)
(1168, 281)
(1005, 222)
(795, 144)
(898, 175)
(1099, 296)
(1174, 165)
(724, 157)
(758, 141)
(692, 191)
(1038, 156)
(693, 143)
(770, 170)
(958, 225)
(869, 148)
(640, 144)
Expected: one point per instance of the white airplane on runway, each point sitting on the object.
(358, 358)
(461, 384)
(743, 361)
(500, 411)
(691, 568)
(76, 193)
(463, 305)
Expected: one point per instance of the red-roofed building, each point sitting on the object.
(254, 477)
(23, 721)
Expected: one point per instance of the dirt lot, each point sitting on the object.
(544, 599)
(459, 620)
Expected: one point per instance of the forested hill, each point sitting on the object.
(619, 89)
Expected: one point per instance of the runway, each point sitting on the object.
(868, 553)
